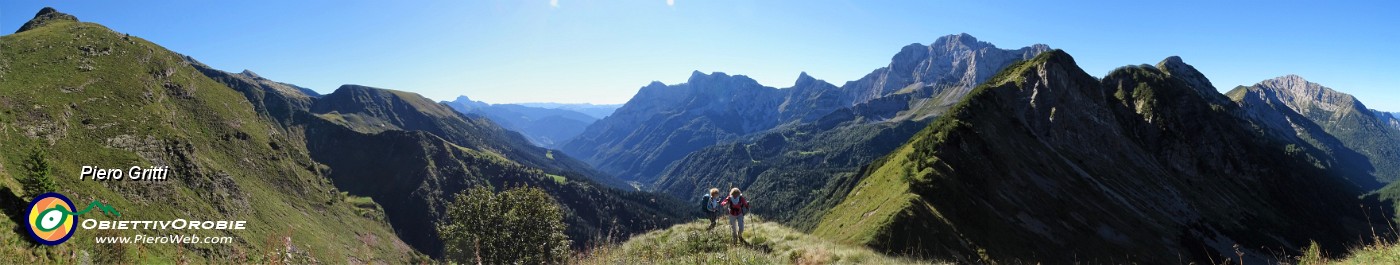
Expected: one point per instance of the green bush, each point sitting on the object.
(517, 226)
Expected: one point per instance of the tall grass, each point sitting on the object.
(1384, 251)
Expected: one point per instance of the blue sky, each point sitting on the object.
(600, 51)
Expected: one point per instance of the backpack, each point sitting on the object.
(737, 208)
(705, 203)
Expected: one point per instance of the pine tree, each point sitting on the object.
(38, 179)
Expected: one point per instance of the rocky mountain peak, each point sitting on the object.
(959, 40)
(698, 76)
(955, 62)
(1289, 80)
(44, 17)
(1300, 94)
(803, 79)
(465, 104)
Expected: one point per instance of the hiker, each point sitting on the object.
(709, 206)
(738, 206)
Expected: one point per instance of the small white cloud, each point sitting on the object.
(671, 2)
(555, 3)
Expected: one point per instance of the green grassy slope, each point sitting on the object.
(768, 243)
(91, 96)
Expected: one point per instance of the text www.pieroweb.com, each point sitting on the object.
(168, 239)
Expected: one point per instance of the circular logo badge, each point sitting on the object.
(50, 218)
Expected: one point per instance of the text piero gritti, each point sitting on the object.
(153, 173)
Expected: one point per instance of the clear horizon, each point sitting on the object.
(601, 52)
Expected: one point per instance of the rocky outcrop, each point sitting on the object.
(46, 16)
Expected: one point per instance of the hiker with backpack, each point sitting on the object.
(738, 206)
(709, 206)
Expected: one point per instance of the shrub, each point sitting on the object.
(517, 226)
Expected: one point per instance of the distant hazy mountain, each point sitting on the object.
(597, 111)
(1046, 163)
(1333, 122)
(546, 127)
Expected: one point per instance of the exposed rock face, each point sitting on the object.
(1299, 94)
(44, 17)
(1350, 136)
(1046, 163)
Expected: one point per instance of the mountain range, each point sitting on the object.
(597, 111)
(544, 126)
(664, 123)
(957, 151)
(1147, 164)
(814, 141)
(1121, 159)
